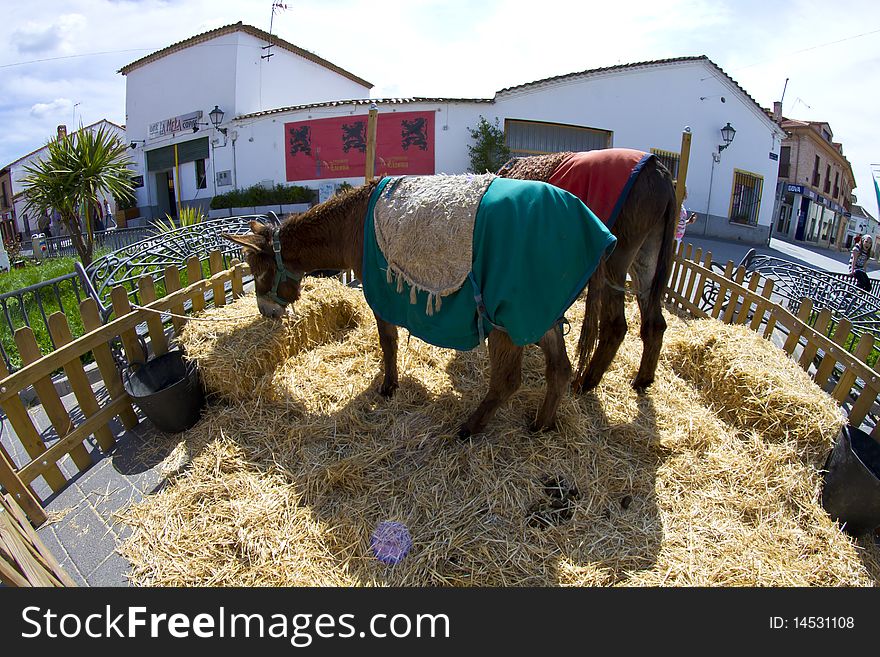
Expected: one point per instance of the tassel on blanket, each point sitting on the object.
(412, 294)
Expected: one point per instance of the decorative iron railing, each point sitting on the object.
(35, 303)
(160, 250)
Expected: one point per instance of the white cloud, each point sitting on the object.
(56, 107)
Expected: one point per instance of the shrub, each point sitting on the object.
(259, 195)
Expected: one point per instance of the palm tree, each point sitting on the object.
(77, 171)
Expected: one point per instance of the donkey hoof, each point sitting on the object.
(464, 433)
(641, 385)
(387, 390)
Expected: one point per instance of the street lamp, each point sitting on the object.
(728, 132)
(216, 116)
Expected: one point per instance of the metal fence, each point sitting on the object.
(105, 240)
(35, 303)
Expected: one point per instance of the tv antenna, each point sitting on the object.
(276, 6)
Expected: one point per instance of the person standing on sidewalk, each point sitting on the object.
(858, 261)
(683, 222)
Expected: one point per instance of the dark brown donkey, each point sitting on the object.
(633, 194)
(331, 236)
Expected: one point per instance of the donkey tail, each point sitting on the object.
(667, 253)
(590, 328)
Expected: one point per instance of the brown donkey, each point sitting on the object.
(633, 193)
(332, 235)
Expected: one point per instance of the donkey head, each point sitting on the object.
(277, 283)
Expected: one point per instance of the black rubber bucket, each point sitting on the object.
(168, 389)
(851, 492)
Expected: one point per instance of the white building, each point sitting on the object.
(297, 119)
(27, 225)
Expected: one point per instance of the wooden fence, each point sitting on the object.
(94, 416)
(808, 337)
(846, 376)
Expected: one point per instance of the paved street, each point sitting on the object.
(828, 260)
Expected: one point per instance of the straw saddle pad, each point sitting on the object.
(501, 253)
(425, 229)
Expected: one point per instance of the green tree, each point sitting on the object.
(489, 150)
(78, 170)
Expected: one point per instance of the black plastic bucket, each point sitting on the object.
(851, 492)
(168, 389)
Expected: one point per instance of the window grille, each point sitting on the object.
(745, 199)
(669, 159)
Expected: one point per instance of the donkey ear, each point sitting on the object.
(253, 242)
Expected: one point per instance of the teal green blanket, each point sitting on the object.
(535, 247)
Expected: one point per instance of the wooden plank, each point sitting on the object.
(745, 310)
(35, 468)
(797, 328)
(28, 548)
(829, 360)
(22, 493)
(18, 550)
(49, 398)
(812, 346)
(134, 353)
(78, 380)
(147, 294)
(106, 365)
(848, 378)
(24, 377)
(11, 577)
(762, 306)
(723, 286)
(18, 513)
(28, 435)
(237, 280)
(172, 285)
(689, 289)
(863, 405)
(194, 273)
(215, 263)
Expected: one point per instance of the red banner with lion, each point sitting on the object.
(336, 147)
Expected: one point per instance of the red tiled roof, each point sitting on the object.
(366, 101)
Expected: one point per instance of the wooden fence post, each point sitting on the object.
(88, 310)
(78, 380)
(49, 398)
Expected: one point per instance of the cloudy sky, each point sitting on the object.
(59, 59)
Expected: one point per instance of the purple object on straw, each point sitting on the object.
(390, 542)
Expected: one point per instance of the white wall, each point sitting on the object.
(284, 79)
(644, 108)
(226, 71)
(649, 107)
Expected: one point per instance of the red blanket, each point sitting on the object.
(601, 179)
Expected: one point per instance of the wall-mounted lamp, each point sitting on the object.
(728, 132)
(135, 142)
(216, 116)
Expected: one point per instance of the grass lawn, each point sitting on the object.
(33, 274)
(17, 279)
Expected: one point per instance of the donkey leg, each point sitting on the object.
(557, 374)
(653, 325)
(612, 330)
(388, 342)
(505, 361)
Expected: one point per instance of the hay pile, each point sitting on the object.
(236, 352)
(674, 488)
